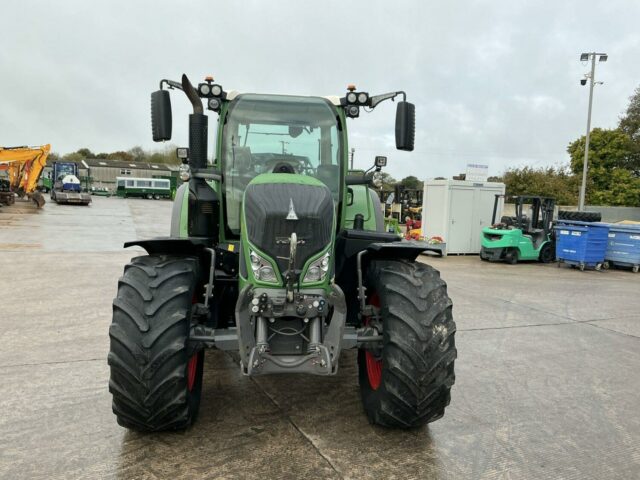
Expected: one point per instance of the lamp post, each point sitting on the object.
(584, 57)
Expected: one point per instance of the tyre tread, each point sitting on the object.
(418, 345)
(148, 337)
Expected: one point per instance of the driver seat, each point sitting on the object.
(283, 167)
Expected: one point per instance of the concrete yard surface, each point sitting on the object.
(547, 375)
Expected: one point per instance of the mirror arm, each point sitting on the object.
(171, 84)
(368, 170)
(375, 100)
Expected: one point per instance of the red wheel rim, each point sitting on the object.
(374, 365)
(192, 368)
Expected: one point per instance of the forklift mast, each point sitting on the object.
(542, 209)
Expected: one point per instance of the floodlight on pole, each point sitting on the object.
(591, 76)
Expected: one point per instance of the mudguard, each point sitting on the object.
(172, 246)
(408, 250)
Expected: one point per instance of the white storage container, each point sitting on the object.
(458, 210)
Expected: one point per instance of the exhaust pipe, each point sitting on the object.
(198, 127)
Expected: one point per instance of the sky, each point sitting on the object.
(495, 82)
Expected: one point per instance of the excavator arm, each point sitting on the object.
(24, 165)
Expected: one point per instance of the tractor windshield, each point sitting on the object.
(266, 133)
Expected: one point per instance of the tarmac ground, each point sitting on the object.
(547, 375)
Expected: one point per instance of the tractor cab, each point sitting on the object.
(525, 236)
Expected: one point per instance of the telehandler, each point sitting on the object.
(277, 253)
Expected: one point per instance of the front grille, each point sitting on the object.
(266, 208)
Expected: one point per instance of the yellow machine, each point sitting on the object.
(24, 166)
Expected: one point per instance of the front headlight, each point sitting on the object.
(262, 268)
(185, 172)
(317, 270)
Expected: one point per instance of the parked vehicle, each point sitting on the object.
(277, 253)
(155, 188)
(23, 167)
(522, 237)
(66, 188)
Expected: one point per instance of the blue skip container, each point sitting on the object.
(623, 247)
(581, 244)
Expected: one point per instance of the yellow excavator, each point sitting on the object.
(23, 167)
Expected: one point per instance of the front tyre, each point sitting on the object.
(407, 384)
(547, 253)
(155, 384)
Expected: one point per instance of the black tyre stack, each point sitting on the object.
(579, 216)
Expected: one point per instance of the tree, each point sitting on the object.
(624, 190)
(630, 124)
(613, 167)
(120, 155)
(608, 149)
(73, 157)
(557, 183)
(411, 183)
(85, 152)
(630, 121)
(138, 154)
(388, 182)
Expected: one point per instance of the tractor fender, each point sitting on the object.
(172, 246)
(408, 250)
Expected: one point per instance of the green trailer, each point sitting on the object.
(151, 188)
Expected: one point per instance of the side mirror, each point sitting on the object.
(405, 126)
(161, 115)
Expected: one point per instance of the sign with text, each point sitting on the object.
(477, 173)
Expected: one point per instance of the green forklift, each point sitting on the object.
(521, 237)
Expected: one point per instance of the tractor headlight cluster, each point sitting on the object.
(185, 172)
(318, 269)
(354, 100)
(209, 90)
(213, 92)
(262, 268)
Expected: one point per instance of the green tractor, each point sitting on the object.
(275, 252)
(521, 237)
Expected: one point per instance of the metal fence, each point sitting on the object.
(609, 214)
